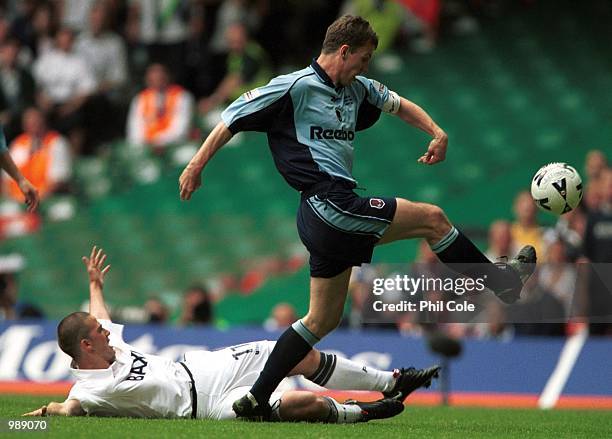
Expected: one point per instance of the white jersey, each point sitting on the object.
(149, 386)
(135, 385)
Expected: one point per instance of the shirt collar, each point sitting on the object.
(323, 75)
(92, 374)
(101, 374)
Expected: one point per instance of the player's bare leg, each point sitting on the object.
(298, 405)
(303, 406)
(421, 220)
(327, 298)
(417, 220)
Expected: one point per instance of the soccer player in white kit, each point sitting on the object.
(116, 379)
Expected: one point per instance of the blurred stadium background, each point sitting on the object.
(516, 84)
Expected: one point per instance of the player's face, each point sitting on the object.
(356, 63)
(98, 336)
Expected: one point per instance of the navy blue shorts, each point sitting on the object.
(340, 229)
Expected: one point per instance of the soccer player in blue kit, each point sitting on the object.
(311, 118)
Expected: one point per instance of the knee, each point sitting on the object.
(438, 223)
(309, 365)
(312, 361)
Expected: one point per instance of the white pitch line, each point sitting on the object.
(567, 359)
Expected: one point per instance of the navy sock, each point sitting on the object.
(456, 248)
(465, 258)
(291, 348)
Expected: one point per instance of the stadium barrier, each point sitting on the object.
(488, 373)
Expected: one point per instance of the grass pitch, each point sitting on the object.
(418, 422)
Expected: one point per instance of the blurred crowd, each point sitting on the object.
(569, 291)
(78, 74)
(571, 288)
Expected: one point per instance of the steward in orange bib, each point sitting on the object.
(161, 114)
(42, 156)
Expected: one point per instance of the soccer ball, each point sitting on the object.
(556, 188)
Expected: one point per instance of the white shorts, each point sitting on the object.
(223, 376)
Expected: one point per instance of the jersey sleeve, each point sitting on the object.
(379, 95)
(88, 398)
(378, 98)
(255, 109)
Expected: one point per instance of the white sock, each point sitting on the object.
(342, 374)
(343, 413)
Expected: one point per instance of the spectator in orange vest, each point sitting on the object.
(41, 155)
(8, 165)
(161, 114)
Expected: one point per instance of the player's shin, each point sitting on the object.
(291, 348)
(299, 406)
(342, 374)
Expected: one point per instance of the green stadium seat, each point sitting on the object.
(512, 97)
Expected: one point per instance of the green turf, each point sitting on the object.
(415, 422)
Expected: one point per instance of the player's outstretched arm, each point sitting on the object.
(27, 189)
(191, 178)
(96, 272)
(71, 407)
(411, 113)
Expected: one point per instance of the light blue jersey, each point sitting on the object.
(310, 123)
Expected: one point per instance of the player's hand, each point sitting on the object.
(30, 193)
(436, 151)
(189, 181)
(38, 412)
(95, 264)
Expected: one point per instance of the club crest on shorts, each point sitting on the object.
(377, 203)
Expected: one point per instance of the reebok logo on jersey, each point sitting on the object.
(377, 203)
(327, 134)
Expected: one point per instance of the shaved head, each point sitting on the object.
(71, 330)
